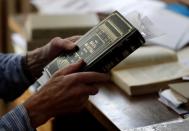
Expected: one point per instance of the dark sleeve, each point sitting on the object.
(16, 120)
(12, 79)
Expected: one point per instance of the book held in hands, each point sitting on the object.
(103, 47)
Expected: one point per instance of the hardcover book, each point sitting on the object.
(103, 47)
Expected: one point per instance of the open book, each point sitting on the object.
(148, 70)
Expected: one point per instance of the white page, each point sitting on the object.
(174, 27)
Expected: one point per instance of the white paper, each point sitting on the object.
(168, 94)
(174, 26)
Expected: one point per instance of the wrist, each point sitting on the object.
(37, 112)
(26, 70)
(36, 61)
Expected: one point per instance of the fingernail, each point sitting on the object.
(81, 61)
(95, 91)
(76, 47)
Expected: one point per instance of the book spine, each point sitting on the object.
(116, 54)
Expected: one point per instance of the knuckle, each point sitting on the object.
(58, 73)
(93, 91)
(76, 77)
(56, 39)
(72, 65)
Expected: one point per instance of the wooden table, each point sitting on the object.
(117, 111)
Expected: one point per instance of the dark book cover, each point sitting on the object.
(103, 47)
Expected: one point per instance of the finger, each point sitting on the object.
(71, 109)
(74, 38)
(85, 90)
(63, 44)
(72, 68)
(82, 101)
(89, 77)
(90, 90)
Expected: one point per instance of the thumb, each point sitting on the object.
(59, 44)
(72, 68)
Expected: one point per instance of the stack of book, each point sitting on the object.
(176, 97)
(39, 29)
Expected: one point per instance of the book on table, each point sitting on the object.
(177, 95)
(148, 70)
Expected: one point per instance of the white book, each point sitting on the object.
(148, 70)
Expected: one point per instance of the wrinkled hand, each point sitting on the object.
(37, 59)
(66, 92)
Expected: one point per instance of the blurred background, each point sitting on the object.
(29, 24)
(21, 18)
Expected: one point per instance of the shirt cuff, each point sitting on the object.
(24, 74)
(16, 120)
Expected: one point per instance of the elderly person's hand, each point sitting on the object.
(37, 59)
(66, 92)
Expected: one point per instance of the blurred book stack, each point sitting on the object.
(37, 29)
(176, 98)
